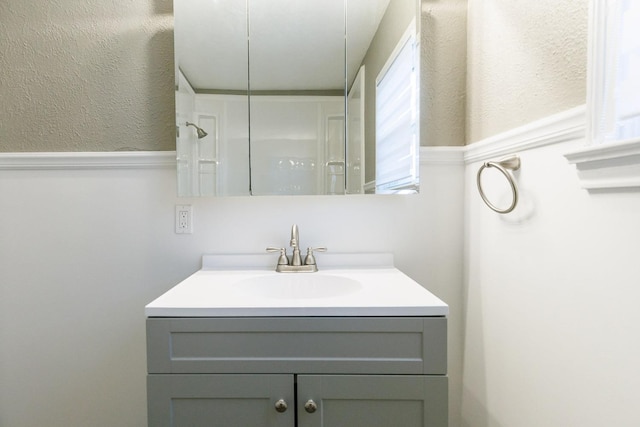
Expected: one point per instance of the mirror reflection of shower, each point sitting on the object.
(199, 130)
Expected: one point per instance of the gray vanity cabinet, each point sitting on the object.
(373, 401)
(328, 371)
(219, 400)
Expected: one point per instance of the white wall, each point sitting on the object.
(551, 319)
(551, 301)
(82, 252)
(550, 329)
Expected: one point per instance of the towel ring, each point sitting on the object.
(511, 163)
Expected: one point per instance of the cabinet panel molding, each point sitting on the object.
(310, 345)
(219, 400)
(373, 400)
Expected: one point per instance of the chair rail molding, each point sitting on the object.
(564, 126)
(442, 155)
(613, 165)
(88, 160)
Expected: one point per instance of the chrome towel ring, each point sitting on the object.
(511, 163)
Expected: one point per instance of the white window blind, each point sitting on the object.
(397, 142)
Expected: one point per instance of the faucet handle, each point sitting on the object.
(282, 260)
(310, 259)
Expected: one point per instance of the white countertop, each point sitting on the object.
(246, 288)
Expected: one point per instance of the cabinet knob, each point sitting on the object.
(281, 405)
(310, 406)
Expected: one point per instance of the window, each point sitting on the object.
(397, 139)
(616, 90)
(612, 159)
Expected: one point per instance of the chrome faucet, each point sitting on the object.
(296, 265)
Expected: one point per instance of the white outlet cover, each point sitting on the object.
(184, 219)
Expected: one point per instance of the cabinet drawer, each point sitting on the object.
(406, 345)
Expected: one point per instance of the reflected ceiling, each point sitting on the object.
(214, 34)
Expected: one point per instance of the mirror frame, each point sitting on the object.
(191, 166)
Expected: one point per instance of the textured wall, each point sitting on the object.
(443, 79)
(86, 75)
(98, 76)
(526, 60)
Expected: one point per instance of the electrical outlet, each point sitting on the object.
(184, 219)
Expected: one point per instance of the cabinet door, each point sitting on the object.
(373, 401)
(220, 400)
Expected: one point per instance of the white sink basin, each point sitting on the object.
(245, 286)
(298, 286)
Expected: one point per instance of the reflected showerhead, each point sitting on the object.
(199, 130)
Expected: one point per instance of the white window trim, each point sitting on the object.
(611, 165)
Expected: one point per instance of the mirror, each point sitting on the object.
(296, 97)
